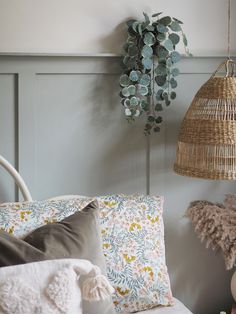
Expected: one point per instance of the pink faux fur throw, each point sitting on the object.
(216, 224)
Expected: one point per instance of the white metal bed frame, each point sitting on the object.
(18, 179)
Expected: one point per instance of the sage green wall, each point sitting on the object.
(62, 124)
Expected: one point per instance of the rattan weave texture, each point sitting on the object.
(207, 141)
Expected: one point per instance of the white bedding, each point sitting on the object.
(178, 308)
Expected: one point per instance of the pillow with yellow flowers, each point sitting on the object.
(134, 248)
(21, 218)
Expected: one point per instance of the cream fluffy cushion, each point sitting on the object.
(50, 287)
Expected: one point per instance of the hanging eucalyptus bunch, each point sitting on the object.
(149, 67)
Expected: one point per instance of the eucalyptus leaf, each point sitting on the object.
(124, 80)
(129, 45)
(159, 94)
(143, 90)
(175, 56)
(151, 119)
(125, 92)
(160, 80)
(173, 83)
(133, 51)
(174, 38)
(159, 119)
(134, 101)
(166, 85)
(128, 112)
(149, 39)
(166, 20)
(147, 51)
(148, 128)
(161, 69)
(165, 96)
(132, 90)
(123, 99)
(147, 63)
(135, 26)
(145, 79)
(145, 26)
(168, 45)
(144, 105)
(169, 62)
(175, 26)
(140, 30)
(158, 107)
(127, 102)
(177, 20)
(162, 28)
(150, 28)
(147, 20)
(132, 40)
(131, 63)
(173, 95)
(131, 31)
(121, 95)
(175, 72)
(134, 76)
(185, 41)
(161, 37)
(137, 113)
(126, 46)
(157, 14)
(130, 22)
(168, 102)
(125, 60)
(162, 52)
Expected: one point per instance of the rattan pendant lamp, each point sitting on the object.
(206, 145)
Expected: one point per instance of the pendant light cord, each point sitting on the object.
(229, 16)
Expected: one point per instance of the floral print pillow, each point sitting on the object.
(19, 219)
(133, 243)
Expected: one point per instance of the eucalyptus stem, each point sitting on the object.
(153, 85)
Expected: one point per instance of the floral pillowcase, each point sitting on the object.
(133, 242)
(19, 219)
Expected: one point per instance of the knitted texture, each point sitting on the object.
(51, 287)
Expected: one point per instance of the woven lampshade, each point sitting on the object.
(207, 141)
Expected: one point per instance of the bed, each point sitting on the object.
(178, 307)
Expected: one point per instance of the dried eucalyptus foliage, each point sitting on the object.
(149, 73)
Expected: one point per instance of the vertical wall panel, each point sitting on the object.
(27, 120)
(8, 119)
